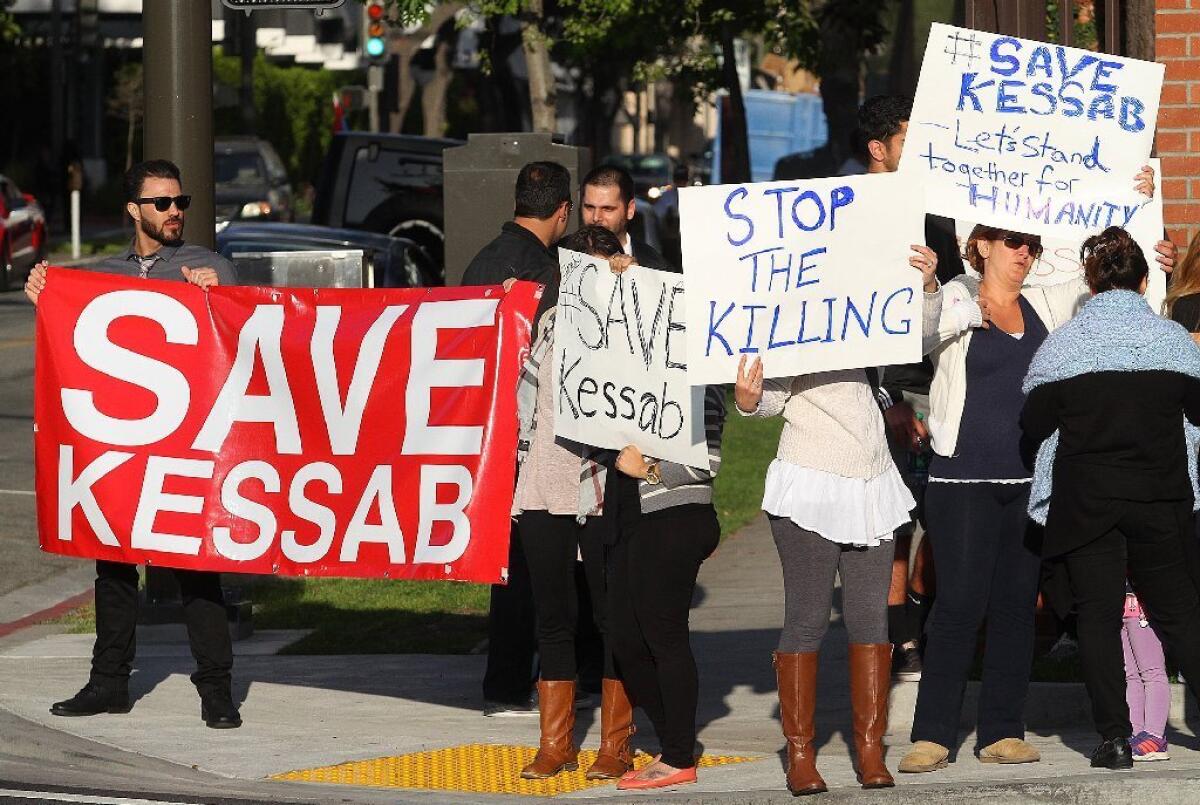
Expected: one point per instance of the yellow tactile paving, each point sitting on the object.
(477, 768)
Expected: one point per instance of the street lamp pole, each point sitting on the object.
(177, 54)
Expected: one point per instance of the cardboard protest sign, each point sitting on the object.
(1060, 258)
(810, 275)
(1030, 136)
(264, 430)
(620, 362)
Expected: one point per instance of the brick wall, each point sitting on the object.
(1177, 45)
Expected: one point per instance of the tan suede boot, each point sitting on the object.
(557, 751)
(616, 729)
(870, 681)
(797, 678)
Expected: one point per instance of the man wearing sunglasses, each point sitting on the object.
(156, 203)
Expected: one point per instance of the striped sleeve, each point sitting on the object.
(674, 475)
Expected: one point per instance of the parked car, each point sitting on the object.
(653, 174)
(251, 182)
(393, 262)
(22, 234)
(390, 183)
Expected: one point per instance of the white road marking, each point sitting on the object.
(17, 492)
(84, 799)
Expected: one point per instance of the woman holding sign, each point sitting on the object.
(558, 505)
(987, 554)
(667, 527)
(834, 498)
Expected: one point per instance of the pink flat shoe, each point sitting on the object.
(681, 777)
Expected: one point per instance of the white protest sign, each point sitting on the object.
(1029, 136)
(620, 362)
(810, 275)
(1060, 258)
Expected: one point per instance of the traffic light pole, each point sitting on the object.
(177, 53)
(374, 88)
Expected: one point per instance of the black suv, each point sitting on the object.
(390, 183)
(251, 182)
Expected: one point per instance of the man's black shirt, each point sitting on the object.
(515, 252)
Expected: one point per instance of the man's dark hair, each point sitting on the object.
(594, 240)
(880, 117)
(610, 176)
(136, 176)
(542, 187)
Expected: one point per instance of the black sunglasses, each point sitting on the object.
(163, 203)
(1015, 241)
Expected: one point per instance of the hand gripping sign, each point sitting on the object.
(260, 430)
(1030, 136)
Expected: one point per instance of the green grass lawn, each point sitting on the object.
(381, 616)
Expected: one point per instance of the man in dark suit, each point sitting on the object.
(606, 196)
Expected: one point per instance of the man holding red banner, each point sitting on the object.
(156, 204)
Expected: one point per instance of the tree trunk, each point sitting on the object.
(735, 139)
(840, 65)
(536, 45)
(433, 97)
(129, 138)
(406, 85)
(1137, 29)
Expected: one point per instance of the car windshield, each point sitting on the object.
(244, 168)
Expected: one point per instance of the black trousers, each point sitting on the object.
(512, 637)
(652, 575)
(988, 559)
(116, 626)
(1150, 545)
(550, 543)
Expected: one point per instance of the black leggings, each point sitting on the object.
(550, 543)
(651, 576)
(988, 560)
(116, 624)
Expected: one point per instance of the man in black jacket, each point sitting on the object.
(606, 196)
(524, 249)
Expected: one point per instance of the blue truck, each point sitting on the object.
(778, 123)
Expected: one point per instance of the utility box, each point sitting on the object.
(479, 180)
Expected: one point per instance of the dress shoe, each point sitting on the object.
(1009, 750)
(93, 700)
(925, 756)
(218, 711)
(680, 777)
(1113, 754)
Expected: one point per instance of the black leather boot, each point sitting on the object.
(218, 710)
(1113, 754)
(93, 700)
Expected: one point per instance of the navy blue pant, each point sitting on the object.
(988, 559)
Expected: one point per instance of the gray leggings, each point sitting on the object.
(809, 564)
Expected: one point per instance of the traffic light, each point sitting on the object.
(374, 33)
(262, 5)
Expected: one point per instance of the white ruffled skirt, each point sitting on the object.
(848, 511)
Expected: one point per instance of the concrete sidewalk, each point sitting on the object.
(306, 712)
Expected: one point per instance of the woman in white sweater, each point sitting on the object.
(834, 497)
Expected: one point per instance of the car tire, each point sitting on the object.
(429, 236)
(7, 269)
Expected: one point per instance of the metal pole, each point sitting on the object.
(75, 246)
(1066, 23)
(374, 88)
(177, 54)
(1112, 27)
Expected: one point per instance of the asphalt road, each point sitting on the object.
(21, 561)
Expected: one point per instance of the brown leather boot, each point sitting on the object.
(797, 677)
(616, 728)
(557, 751)
(870, 681)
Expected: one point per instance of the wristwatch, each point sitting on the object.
(653, 475)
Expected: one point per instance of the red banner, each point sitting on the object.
(271, 430)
